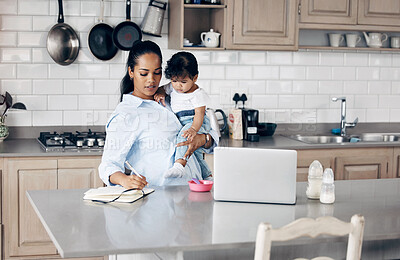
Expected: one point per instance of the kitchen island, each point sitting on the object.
(175, 219)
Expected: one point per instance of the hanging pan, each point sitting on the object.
(126, 33)
(100, 38)
(62, 40)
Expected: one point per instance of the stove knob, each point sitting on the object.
(79, 143)
(100, 142)
(90, 142)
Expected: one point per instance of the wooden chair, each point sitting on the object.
(312, 228)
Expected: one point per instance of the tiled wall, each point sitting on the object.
(285, 86)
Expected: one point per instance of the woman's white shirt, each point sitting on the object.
(143, 132)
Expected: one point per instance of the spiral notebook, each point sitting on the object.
(116, 194)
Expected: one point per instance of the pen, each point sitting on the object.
(132, 169)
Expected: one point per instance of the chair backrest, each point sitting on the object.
(312, 228)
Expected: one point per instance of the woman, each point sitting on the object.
(142, 131)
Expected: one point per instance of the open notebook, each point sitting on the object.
(116, 194)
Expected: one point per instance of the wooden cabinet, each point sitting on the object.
(360, 14)
(261, 24)
(190, 20)
(396, 162)
(351, 163)
(24, 233)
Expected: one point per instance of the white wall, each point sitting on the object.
(285, 86)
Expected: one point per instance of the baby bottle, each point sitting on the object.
(328, 188)
(314, 180)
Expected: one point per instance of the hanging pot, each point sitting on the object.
(126, 33)
(62, 41)
(154, 17)
(100, 40)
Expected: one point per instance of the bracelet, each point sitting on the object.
(207, 140)
(194, 129)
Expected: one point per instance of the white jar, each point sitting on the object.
(314, 180)
(328, 188)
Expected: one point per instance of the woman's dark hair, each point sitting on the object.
(138, 49)
(182, 64)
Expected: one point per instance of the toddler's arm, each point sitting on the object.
(160, 95)
(198, 118)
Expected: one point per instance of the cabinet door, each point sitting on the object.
(306, 157)
(328, 11)
(260, 24)
(78, 173)
(23, 230)
(379, 12)
(362, 167)
(396, 163)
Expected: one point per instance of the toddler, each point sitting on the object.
(188, 102)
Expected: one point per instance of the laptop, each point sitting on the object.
(255, 175)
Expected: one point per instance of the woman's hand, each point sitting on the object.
(160, 97)
(198, 141)
(189, 134)
(128, 181)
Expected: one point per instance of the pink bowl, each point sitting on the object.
(204, 186)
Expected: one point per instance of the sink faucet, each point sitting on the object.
(343, 123)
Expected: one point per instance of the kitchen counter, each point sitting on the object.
(31, 147)
(175, 219)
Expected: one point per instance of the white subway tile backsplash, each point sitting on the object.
(204, 84)
(277, 116)
(279, 58)
(8, 7)
(62, 102)
(380, 59)
(8, 71)
(15, 23)
(105, 87)
(379, 87)
(43, 23)
(343, 73)
(19, 118)
(8, 39)
(78, 86)
(47, 118)
(239, 72)
(389, 101)
(331, 59)
(212, 71)
(92, 8)
(16, 87)
(216, 85)
(319, 73)
(307, 116)
(15, 55)
(355, 87)
(378, 115)
(305, 87)
(349, 101)
(33, 102)
(355, 59)
(364, 73)
(202, 57)
(48, 86)
(101, 117)
(305, 58)
(78, 118)
(32, 39)
(32, 71)
(316, 101)
(118, 9)
(352, 114)
(117, 71)
(96, 102)
(291, 101)
(224, 57)
(328, 115)
(79, 23)
(254, 86)
(390, 73)
(40, 55)
(292, 72)
(113, 101)
(330, 87)
(84, 56)
(266, 72)
(25, 7)
(252, 58)
(71, 8)
(225, 97)
(279, 87)
(265, 101)
(394, 115)
(63, 72)
(366, 101)
(396, 60)
(395, 88)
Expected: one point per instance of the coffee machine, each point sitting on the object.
(250, 123)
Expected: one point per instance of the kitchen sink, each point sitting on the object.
(332, 139)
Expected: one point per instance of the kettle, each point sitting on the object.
(154, 18)
(374, 40)
(210, 39)
(214, 121)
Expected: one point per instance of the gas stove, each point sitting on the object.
(72, 142)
